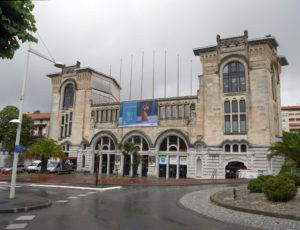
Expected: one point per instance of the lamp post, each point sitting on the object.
(19, 120)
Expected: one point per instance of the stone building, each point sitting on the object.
(41, 123)
(228, 125)
(290, 118)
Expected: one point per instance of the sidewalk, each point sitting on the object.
(78, 178)
(22, 202)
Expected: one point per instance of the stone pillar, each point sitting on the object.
(157, 166)
(108, 164)
(167, 167)
(140, 169)
(177, 168)
(100, 164)
(131, 168)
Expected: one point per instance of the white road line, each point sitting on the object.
(16, 226)
(90, 192)
(62, 201)
(75, 187)
(72, 197)
(82, 195)
(25, 218)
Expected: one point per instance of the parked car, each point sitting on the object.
(53, 167)
(8, 169)
(35, 166)
(66, 168)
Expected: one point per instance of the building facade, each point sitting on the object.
(41, 122)
(290, 118)
(228, 125)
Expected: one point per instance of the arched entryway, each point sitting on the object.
(232, 168)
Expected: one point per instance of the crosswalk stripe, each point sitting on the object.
(16, 226)
(25, 218)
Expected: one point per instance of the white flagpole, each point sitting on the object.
(153, 74)
(130, 77)
(191, 83)
(165, 76)
(142, 75)
(177, 75)
(120, 71)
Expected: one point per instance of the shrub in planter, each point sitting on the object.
(279, 189)
(255, 185)
(293, 177)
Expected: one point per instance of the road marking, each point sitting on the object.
(82, 195)
(3, 182)
(72, 197)
(75, 187)
(16, 226)
(25, 218)
(90, 192)
(62, 201)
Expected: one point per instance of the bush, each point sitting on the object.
(256, 185)
(293, 177)
(280, 189)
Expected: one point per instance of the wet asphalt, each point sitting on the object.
(132, 207)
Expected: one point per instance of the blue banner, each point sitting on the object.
(138, 113)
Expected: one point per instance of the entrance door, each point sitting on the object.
(232, 168)
(96, 163)
(162, 170)
(182, 171)
(126, 168)
(144, 165)
(112, 163)
(104, 163)
(172, 171)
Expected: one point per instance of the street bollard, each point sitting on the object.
(234, 193)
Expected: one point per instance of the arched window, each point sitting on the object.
(227, 148)
(235, 148)
(234, 79)
(69, 96)
(243, 148)
(173, 144)
(140, 143)
(105, 144)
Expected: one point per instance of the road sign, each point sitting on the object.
(19, 149)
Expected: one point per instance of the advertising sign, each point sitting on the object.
(138, 113)
(182, 160)
(173, 160)
(162, 160)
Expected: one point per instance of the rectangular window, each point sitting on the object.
(168, 112)
(70, 128)
(174, 112)
(180, 111)
(243, 127)
(235, 125)
(186, 111)
(227, 106)
(242, 106)
(61, 131)
(62, 120)
(71, 116)
(234, 106)
(67, 118)
(227, 124)
(66, 130)
(161, 112)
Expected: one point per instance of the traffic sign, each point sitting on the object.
(19, 149)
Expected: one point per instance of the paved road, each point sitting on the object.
(128, 208)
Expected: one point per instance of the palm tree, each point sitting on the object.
(289, 147)
(128, 148)
(44, 149)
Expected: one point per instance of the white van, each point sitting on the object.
(248, 173)
(35, 166)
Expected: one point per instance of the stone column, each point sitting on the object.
(131, 168)
(167, 167)
(108, 164)
(100, 164)
(121, 172)
(140, 169)
(157, 166)
(177, 168)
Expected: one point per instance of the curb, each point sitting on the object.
(214, 200)
(28, 208)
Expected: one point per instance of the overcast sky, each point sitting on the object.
(100, 33)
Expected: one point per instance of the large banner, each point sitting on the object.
(138, 113)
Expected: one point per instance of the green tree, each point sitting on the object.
(8, 130)
(44, 149)
(128, 148)
(16, 23)
(288, 146)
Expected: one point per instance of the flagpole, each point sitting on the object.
(120, 71)
(165, 76)
(191, 80)
(177, 75)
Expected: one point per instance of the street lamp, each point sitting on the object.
(19, 120)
